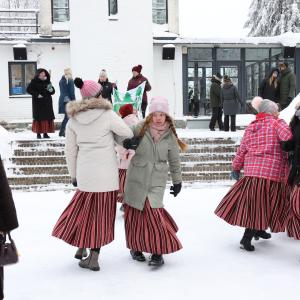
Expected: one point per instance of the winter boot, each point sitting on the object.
(91, 262)
(38, 136)
(137, 255)
(81, 253)
(156, 260)
(46, 136)
(261, 234)
(246, 240)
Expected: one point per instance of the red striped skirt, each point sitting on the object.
(89, 220)
(256, 203)
(122, 179)
(43, 126)
(152, 230)
(293, 222)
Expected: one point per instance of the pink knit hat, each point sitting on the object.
(88, 88)
(159, 104)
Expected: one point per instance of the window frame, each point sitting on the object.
(165, 9)
(109, 9)
(60, 8)
(23, 64)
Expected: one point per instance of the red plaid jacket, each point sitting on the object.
(260, 154)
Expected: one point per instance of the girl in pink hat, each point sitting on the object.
(149, 227)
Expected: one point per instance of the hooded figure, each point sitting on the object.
(269, 87)
(287, 85)
(42, 90)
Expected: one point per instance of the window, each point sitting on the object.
(60, 10)
(196, 54)
(160, 11)
(113, 7)
(20, 75)
(257, 54)
(228, 54)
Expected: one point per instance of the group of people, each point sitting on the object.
(42, 91)
(279, 86)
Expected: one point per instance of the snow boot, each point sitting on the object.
(156, 260)
(91, 262)
(262, 234)
(81, 253)
(137, 255)
(38, 136)
(246, 240)
(46, 136)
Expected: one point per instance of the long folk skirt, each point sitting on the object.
(293, 222)
(256, 203)
(122, 179)
(89, 220)
(152, 230)
(43, 126)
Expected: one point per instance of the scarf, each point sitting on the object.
(157, 131)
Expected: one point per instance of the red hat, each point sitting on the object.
(126, 110)
(137, 69)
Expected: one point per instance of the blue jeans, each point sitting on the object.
(63, 125)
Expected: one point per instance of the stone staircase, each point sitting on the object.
(41, 165)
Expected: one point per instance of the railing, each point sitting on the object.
(19, 22)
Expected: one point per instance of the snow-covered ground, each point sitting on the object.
(211, 265)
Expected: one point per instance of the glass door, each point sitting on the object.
(233, 70)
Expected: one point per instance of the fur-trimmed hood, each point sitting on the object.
(87, 110)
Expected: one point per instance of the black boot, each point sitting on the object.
(246, 240)
(156, 260)
(138, 256)
(46, 136)
(262, 234)
(38, 136)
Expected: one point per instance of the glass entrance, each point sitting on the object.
(232, 70)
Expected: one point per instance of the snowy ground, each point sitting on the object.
(211, 265)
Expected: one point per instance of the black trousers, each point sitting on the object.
(1, 283)
(232, 123)
(216, 117)
(144, 107)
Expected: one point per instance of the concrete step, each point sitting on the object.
(40, 170)
(37, 161)
(39, 180)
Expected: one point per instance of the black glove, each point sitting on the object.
(131, 143)
(176, 189)
(235, 175)
(74, 182)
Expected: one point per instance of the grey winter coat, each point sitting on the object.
(148, 172)
(230, 99)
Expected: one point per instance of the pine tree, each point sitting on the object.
(273, 17)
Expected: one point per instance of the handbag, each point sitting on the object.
(8, 251)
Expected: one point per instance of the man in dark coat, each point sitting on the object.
(135, 81)
(8, 215)
(287, 85)
(269, 87)
(67, 94)
(42, 90)
(215, 102)
(107, 86)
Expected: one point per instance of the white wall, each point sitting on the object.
(97, 42)
(168, 79)
(54, 57)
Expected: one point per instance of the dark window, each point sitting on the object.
(20, 75)
(232, 54)
(257, 54)
(160, 11)
(113, 7)
(60, 10)
(196, 54)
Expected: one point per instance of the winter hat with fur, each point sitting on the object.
(137, 69)
(88, 88)
(159, 104)
(268, 107)
(126, 110)
(103, 73)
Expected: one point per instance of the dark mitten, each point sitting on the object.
(131, 143)
(176, 189)
(235, 175)
(74, 182)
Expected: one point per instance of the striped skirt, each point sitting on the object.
(43, 126)
(152, 230)
(122, 179)
(293, 222)
(89, 220)
(256, 203)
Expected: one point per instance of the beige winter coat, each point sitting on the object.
(91, 133)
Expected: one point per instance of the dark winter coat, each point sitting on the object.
(67, 93)
(267, 91)
(136, 81)
(230, 99)
(215, 93)
(107, 89)
(287, 87)
(8, 215)
(42, 107)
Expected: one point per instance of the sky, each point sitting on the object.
(213, 18)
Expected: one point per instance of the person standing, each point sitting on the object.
(269, 87)
(107, 86)
(42, 90)
(215, 102)
(93, 128)
(149, 227)
(8, 216)
(259, 200)
(287, 85)
(136, 80)
(67, 94)
(231, 103)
